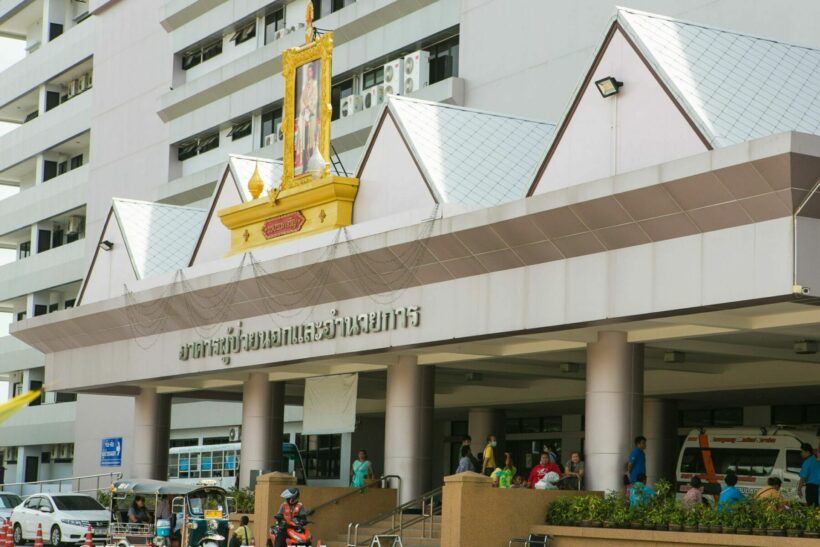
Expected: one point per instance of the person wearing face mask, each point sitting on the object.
(488, 463)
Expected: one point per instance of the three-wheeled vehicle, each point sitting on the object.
(177, 515)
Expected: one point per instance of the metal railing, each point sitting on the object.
(68, 484)
(378, 483)
(426, 507)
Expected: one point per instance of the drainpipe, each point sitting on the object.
(796, 287)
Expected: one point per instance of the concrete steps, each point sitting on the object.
(412, 534)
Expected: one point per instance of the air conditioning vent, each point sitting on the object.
(235, 434)
(416, 71)
(74, 225)
(373, 96)
(350, 105)
(394, 77)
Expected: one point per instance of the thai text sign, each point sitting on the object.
(237, 340)
(283, 225)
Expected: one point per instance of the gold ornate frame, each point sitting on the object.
(293, 58)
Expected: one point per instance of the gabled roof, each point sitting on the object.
(735, 87)
(241, 167)
(160, 238)
(468, 156)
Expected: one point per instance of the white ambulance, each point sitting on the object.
(753, 454)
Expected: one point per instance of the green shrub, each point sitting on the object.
(244, 500)
(104, 497)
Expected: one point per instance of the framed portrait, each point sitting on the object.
(307, 109)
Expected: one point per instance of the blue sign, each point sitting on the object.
(111, 452)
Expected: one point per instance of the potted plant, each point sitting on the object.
(622, 515)
(775, 520)
(811, 527)
(691, 517)
(794, 519)
(636, 518)
(677, 516)
(558, 512)
(743, 517)
(707, 520)
(726, 519)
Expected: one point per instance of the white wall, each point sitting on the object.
(638, 127)
(216, 240)
(112, 269)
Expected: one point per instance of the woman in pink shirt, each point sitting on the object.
(694, 496)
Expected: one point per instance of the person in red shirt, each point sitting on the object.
(542, 469)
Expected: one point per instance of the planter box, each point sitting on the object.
(567, 536)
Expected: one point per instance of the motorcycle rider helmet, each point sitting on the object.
(291, 495)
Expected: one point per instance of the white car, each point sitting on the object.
(8, 501)
(64, 518)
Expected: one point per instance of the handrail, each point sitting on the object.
(427, 502)
(378, 482)
(59, 482)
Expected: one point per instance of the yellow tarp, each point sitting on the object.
(9, 408)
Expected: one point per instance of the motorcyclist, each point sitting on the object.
(291, 513)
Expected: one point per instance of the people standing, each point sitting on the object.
(813, 481)
(807, 452)
(465, 463)
(468, 442)
(544, 466)
(636, 465)
(243, 535)
(729, 495)
(574, 469)
(488, 461)
(362, 470)
(503, 476)
(553, 455)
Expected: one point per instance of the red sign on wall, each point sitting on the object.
(283, 225)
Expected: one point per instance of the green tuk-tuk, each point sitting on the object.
(174, 515)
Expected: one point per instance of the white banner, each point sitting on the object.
(330, 404)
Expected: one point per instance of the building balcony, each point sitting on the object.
(46, 131)
(181, 12)
(50, 59)
(42, 201)
(47, 424)
(42, 271)
(16, 356)
(254, 80)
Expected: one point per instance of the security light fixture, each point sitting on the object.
(608, 86)
(106, 245)
(805, 347)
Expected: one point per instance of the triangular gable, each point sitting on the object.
(109, 269)
(736, 87)
(390, 178)
(599, 137)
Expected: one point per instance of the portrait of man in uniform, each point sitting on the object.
(307, 121)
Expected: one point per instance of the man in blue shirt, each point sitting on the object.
(729, 495)
(809, 461)
(636, 465)
(813, 480)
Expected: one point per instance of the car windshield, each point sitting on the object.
(200, 502)
(10, 501)
(76, 503)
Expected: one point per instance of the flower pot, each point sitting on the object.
(716, 528)
(707, 528)
(595, 523)
(690, 528)
(759, 531)
(775, 532)
(746, 531)
(794, 532)
(636, 525)
(811, 534)
(609, 524)
(662, 527)
(675, 527)
(586, 523)
(729, 530)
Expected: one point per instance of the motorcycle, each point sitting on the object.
(296, 534)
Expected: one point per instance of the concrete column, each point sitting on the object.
(614, 407)
(660, 430)
(263, 417)
(483, 422)
(277, 435)
(408, 425)
(152, 431)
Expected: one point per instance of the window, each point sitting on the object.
(21, 315)
(215, 440)
(62, 167)
(241, 129)
(52, 100)
(50, 170)
(57, 236)
(326, 7)
(69, 303)
(337, 93)
(32, 503)
(191, 148)
(373, 77)
(183, 442)
(25, 249)
(444, 60)
(43, 240)
(40, 309)
(65, 397)
(755, 462)
(208, 143)
(245, 33)
(53, 307)
(77, 161)
(54, 30)
(546, 424)
(721, 417)
(200, 54)
(270, 120)
(77, 503)
(273, 22)
(796, 414)
(31, 115)
(10, 501)
(321, 455)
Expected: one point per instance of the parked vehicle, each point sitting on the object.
(296, 533)
(199, 515)
(8, 501)
(64, 518)
(753, 454)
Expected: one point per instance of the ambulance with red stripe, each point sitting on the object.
(753, 454)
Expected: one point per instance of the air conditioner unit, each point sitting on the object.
(416, 71)
(350, 105)
(270, 139)
(74, 223)
(82, 84)
(88, 79)
(279, 34)
(55, 451)
(277, 130)
(290, 29)
(66, 451)
(235, 434)
(373, 96)
(72, 88)
(394, 77)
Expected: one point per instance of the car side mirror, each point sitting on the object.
(45, 509)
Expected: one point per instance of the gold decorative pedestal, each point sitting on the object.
(306, 209)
